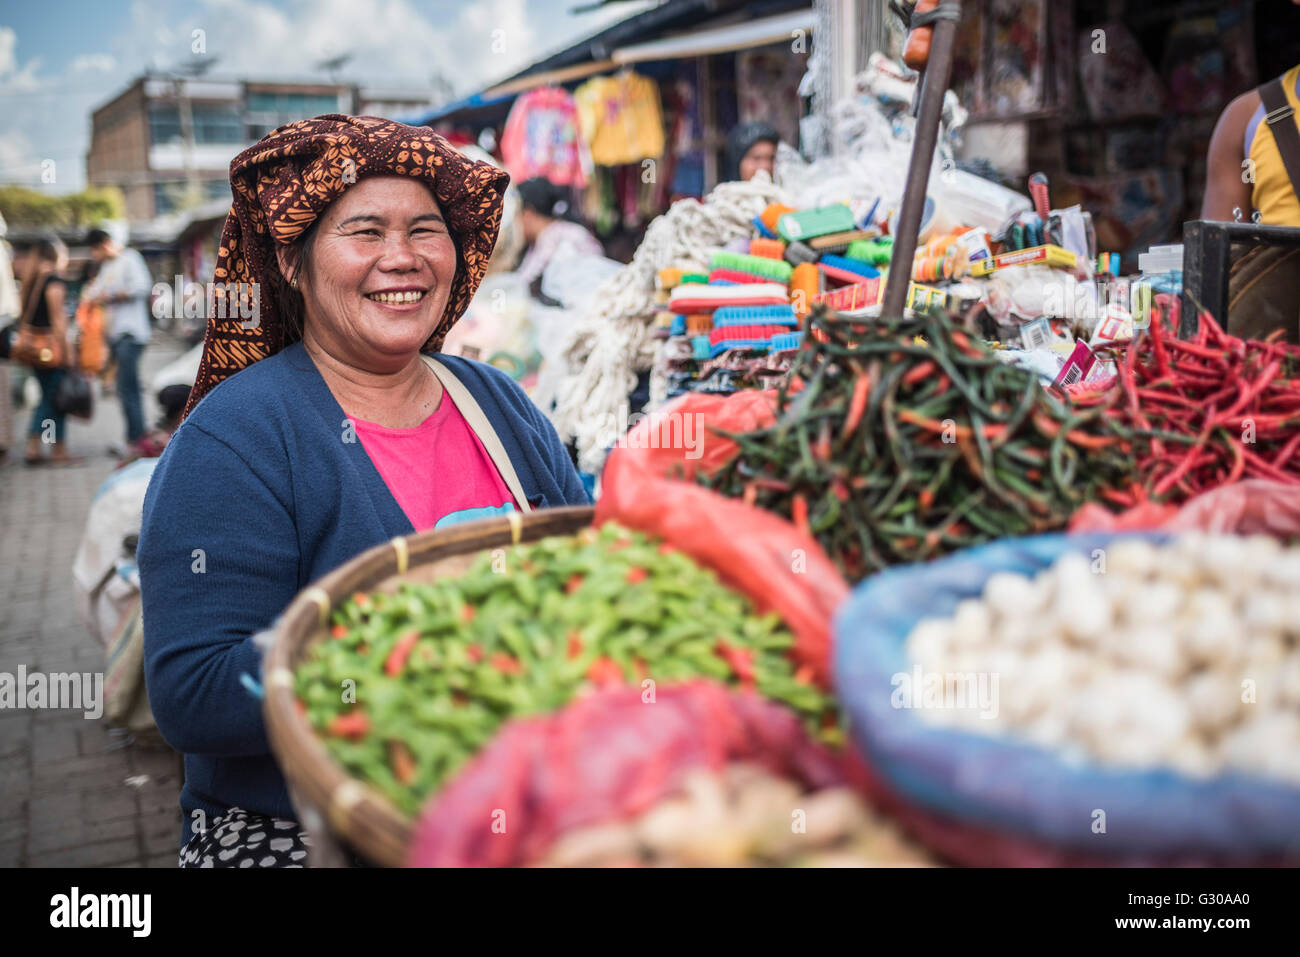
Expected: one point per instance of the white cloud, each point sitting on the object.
(18, 162)
(389, 41)
(498, 38)
(12, 77)
(94, 62)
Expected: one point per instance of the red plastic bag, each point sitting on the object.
(607, 756)
(647, 485)
(1252, 507)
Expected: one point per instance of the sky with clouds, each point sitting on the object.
(59, 59)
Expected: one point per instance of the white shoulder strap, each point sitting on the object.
(478, 421)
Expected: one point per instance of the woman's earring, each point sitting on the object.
(293, 283)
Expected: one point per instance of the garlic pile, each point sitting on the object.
(1185, 655)
(745, 816)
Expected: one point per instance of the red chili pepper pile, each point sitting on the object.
(1206, 412)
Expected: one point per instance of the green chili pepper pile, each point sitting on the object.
(437, 668)
(900, 441)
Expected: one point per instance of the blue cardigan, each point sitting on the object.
(256, 496)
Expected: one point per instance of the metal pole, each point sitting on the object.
(934, 84)
(192, 188)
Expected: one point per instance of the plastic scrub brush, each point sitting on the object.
(847, 270)
(761, 267)
(697, 298)
(774, 212)
(755, 315)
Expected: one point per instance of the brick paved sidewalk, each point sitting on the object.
(73, 792)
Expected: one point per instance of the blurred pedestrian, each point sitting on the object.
(42, 343)
(10, 309)
(549, 224)
(122, 288)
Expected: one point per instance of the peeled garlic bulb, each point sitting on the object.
(1184, 655)
(1011, 595)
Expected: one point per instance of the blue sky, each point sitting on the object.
(60, 59)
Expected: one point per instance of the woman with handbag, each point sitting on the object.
(42, 344)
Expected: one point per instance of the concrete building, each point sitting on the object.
(167, 141)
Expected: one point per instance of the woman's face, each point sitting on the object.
(760, 156)
(381, 268)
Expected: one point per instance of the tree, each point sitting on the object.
(28, 207)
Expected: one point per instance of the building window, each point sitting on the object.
(164, 123)
(292, 106)
(212, 123)
(218, 124)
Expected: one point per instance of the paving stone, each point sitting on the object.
(75, 833)
(63, 800)
(104, 854)
(13, 829)
(55, 742)
(164, 842)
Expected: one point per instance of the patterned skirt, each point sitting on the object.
(241, 838)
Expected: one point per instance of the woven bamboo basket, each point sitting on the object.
(332, 805)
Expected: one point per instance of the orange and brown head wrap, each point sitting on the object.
(283, 184)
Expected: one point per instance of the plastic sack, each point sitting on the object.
(105, 583)
(92, 347)
(1252, 507)
(1012, 786)
(606, 756)
(647, 485)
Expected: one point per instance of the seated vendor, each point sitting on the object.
(751, 148)
(319, 427)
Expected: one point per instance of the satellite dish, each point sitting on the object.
(197, 66)
(333, 64)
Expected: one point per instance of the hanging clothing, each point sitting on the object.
(541, 138)
(621, 119)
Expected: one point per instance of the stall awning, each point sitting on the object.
(562, 75)
(736, 36)
(474, 102)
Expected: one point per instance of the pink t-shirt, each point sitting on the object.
(438, 472)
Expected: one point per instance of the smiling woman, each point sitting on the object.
(318, 429)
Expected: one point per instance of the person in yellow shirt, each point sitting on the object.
(1253, 170)
(1248, 169)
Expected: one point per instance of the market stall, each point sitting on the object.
(1004, 576)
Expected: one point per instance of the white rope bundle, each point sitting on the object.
(609, 345)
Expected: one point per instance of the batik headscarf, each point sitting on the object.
(282, 184)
